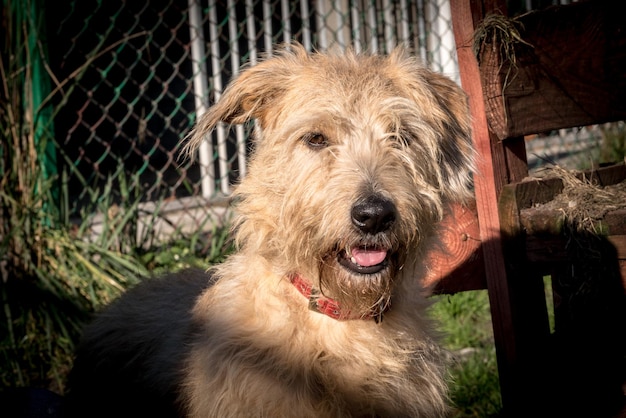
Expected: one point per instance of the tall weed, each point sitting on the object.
(53, 273)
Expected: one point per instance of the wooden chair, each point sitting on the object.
(566, 69)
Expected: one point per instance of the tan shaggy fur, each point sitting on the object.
(352, 153)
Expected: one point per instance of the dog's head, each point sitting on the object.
(356, 158)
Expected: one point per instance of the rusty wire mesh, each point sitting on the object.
(146, 69)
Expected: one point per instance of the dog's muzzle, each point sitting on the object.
(373, 216)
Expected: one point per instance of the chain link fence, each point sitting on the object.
(146, 70)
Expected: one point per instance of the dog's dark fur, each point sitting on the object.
(134, 369)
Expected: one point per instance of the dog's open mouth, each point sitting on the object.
(364, 260)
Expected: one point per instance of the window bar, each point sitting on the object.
(432, 36)
(371, 16)
(251, 30)
(404, 23)
(216, 70)
(422, 33)
(339, 12)
(447, 44)
(235, 62)
(356, 27)
(286, 23)
(201, 94)
(306, 25)
(267, 25)
(320, 15)
(388, 26)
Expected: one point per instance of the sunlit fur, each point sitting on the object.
(387, 127)
(394, 128)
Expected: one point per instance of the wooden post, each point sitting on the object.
(512, 332)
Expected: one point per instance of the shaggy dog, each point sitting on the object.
(320, 312)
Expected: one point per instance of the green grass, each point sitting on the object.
(465, 320)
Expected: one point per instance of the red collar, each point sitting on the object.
(327, 306)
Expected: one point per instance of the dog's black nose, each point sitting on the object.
(374, 214)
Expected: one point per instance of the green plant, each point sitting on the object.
(467, 333)
(53, 274)
(197, 250)
(613, 146)
(475, 385)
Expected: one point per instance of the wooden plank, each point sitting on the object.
(606, 176)
(516, 160)
(486, 188)
(523, 213)
(568, 72)
(550, 249)
(533, 191)
(542, 221)
(456, 264)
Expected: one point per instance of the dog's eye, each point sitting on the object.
(315, 140)
(401, 140)
(404, 139)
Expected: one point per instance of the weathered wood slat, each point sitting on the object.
(552, 248)
(540, 221)
(570, 71)
(535, 191)
(545, 241)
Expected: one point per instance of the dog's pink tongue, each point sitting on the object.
(367, 258)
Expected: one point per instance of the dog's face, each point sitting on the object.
(355, 160)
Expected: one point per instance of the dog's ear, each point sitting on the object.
(457, 154)
(444, 106)
(250, 95)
